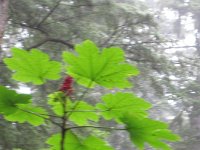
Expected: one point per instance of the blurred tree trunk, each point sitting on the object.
(3, 17)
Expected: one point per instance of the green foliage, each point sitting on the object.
(55, 100)
(33, 66)
(145, 130)
(9, 100)
(106, 68)
(73, 142)
(116, 105)
(81, 112)
(89, 67)
(28, 113)
(18, 107)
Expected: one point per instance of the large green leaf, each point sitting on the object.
(32, 66)
(115, 105)
(9, 99)
(82, 112)
(90, 66)
(145, 130)
(28, 113)
(72, 142)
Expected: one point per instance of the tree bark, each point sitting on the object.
(3, 17)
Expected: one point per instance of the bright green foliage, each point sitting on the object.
(81, 112)
(73, 142)
(55, 100)
(32, 66)
(9, 100)
(28, 113)
(116, 105)
(89, 67)
(106, 68)
(17, 107)
(145, 130)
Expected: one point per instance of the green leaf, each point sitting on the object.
(81, 112)
(28, 113)
(145, 130)
(115, 105)
(106, 68)
(55, 100)
(32, 66)
(94, 143)
(9, 99)
(73, 142)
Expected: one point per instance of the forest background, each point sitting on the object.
(162, 38)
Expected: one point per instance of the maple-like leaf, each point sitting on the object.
(116, 105)
(90, 66)
(145, 130)
(32, 66)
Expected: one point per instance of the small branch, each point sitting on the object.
(32, 27)
(51, 40)
(49, 14)
(38, 44)
(99, 127)
(62, 42)
(39, 115)
(190, 46)
(79, 98)
(53, 116)
(74, 111)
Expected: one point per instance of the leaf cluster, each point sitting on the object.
(89, 67)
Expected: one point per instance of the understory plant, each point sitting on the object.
(87, 67)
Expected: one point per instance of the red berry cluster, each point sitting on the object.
(67, 86)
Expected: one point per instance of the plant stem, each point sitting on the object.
(100, 127)
(66, 116)
(74, 111)
(79, 98)
(63, 126)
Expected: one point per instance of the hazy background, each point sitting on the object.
(161, 37)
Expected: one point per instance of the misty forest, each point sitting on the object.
(99, 75)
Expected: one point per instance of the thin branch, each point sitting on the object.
(51, 40)
(32, 27)
(189, 46)
(74, 111)
(40, 115)
(99, 127)
(79, 98)
(37, 44)
(62, 42)
(49, 14)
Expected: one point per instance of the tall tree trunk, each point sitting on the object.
(3, 18)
